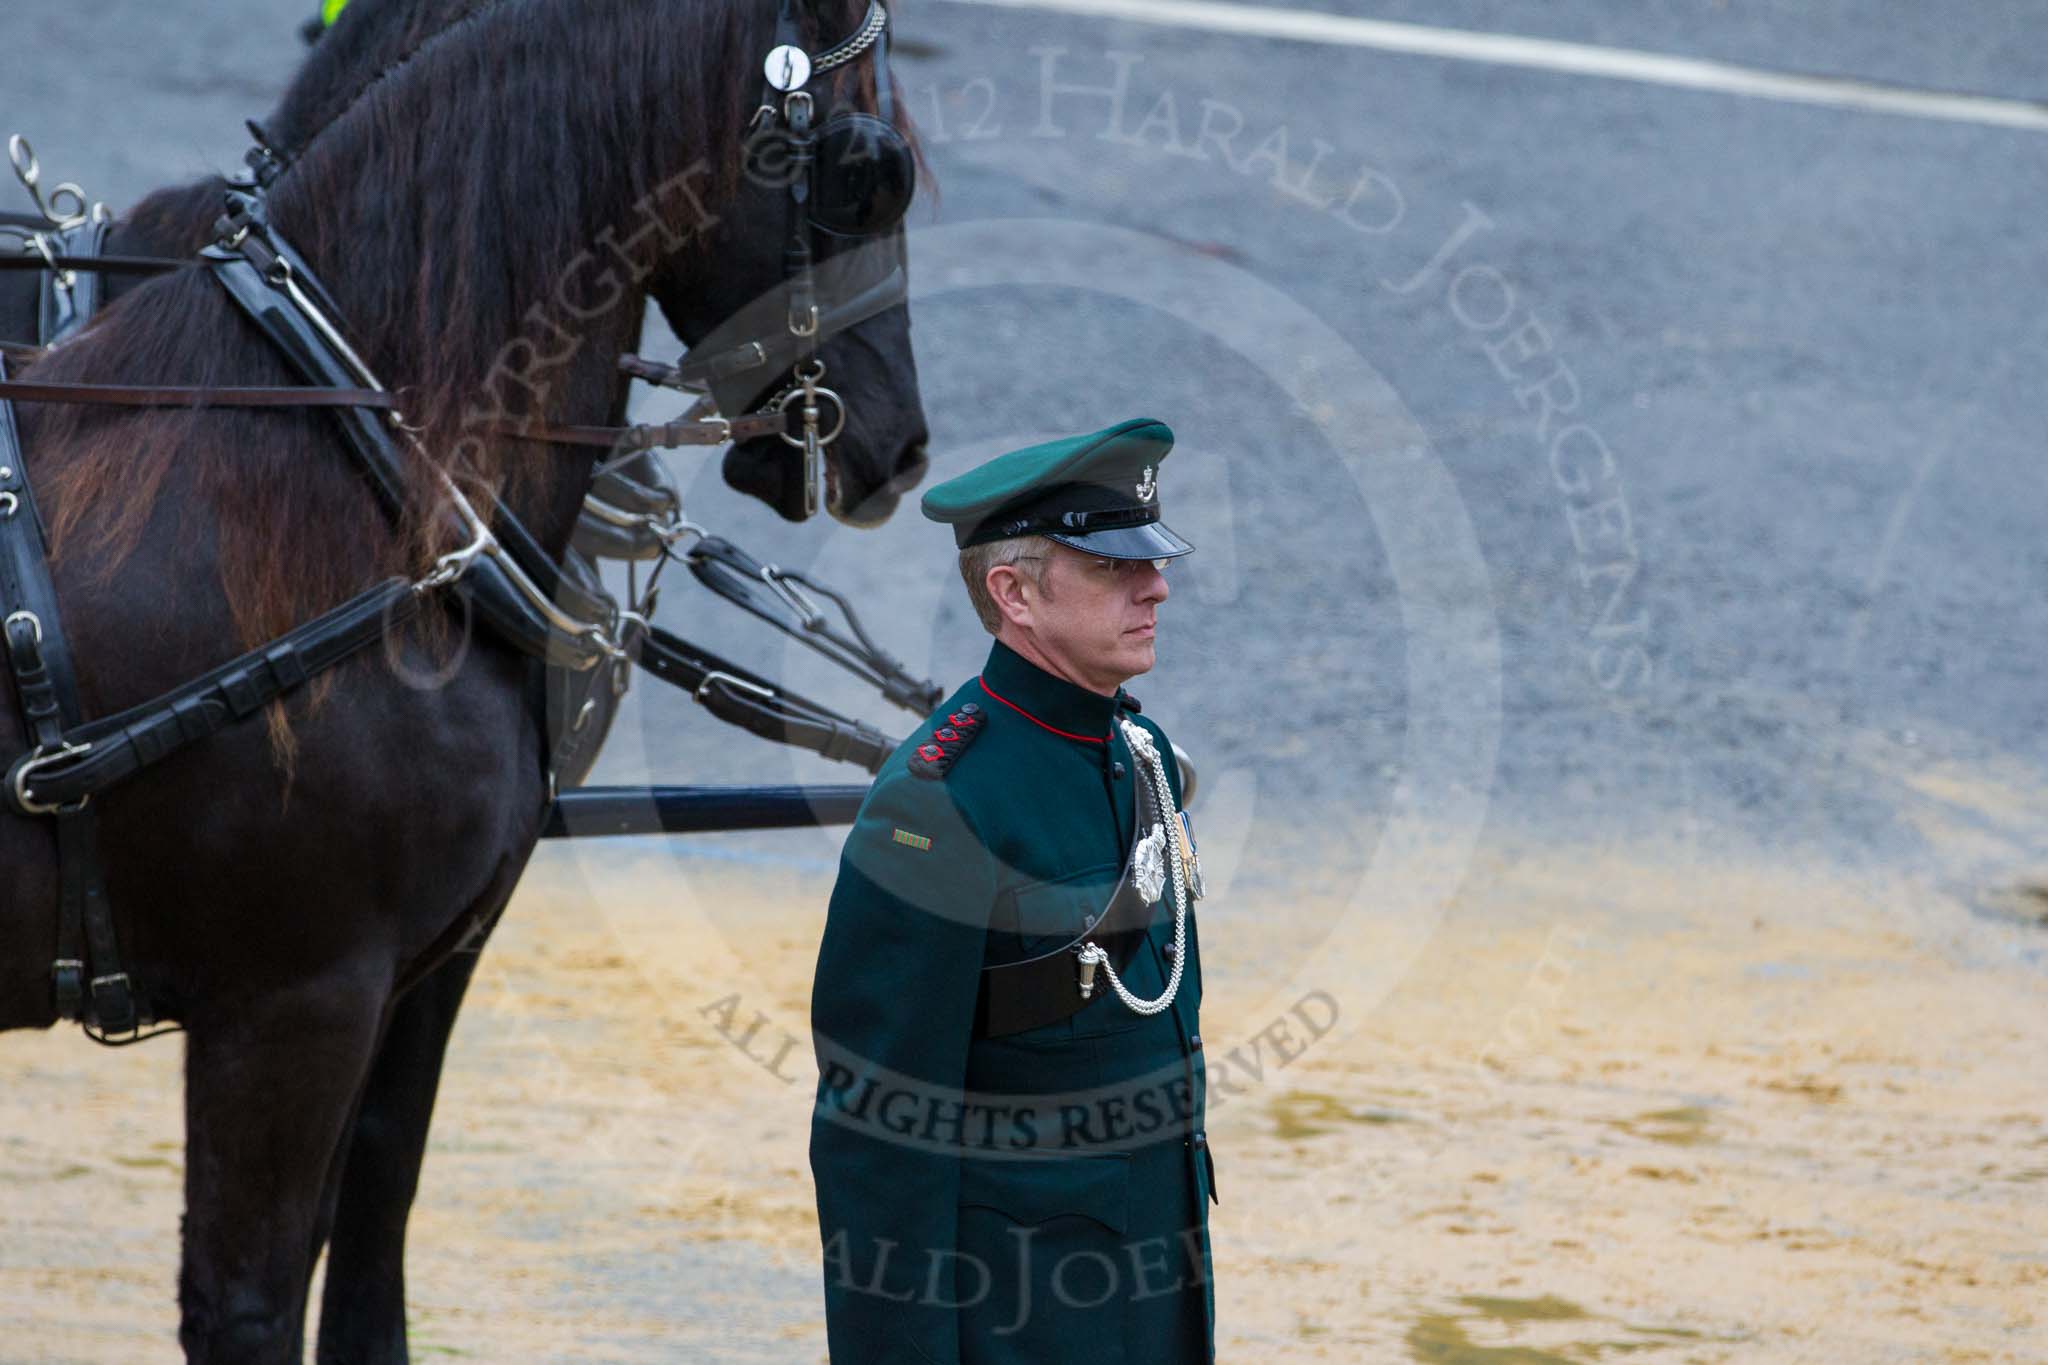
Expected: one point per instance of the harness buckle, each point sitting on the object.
(720, 676)
(113, 1004)
(67, 984)
(673, 531)
(806, 610)
(455, 563)
(23, 800)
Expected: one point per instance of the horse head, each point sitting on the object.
(812, 276)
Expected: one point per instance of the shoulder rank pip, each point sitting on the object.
(954, 732)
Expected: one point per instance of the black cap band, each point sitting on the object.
(1061, 523)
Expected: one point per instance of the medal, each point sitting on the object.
(1191, 857)
(1148, 864)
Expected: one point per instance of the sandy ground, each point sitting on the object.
(1696, 1119)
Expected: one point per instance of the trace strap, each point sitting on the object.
(744, 698)
(102, 752)
(777, 595)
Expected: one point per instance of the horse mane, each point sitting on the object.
(371, 36)
(436, 203)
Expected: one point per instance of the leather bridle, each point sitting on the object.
(849, 182)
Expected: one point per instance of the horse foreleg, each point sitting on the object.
(362, 1309)
(269, 1085)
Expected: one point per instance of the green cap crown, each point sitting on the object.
(1094, 492)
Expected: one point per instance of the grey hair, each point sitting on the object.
(977, 560)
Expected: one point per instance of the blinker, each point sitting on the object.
(864, 177)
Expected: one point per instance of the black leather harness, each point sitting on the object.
(580, 631)
(48, 691)
(70, 762)
(565, 619)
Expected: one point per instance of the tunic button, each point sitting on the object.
(1116, 770)
(1200, 1140)
(1171, 950)
(1195, 1042)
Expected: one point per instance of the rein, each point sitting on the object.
(658, 436)
(104, 265)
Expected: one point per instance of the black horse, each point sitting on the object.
(278, 889)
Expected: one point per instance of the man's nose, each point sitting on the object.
(1153, 588)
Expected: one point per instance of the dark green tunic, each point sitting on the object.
(1039, 1197)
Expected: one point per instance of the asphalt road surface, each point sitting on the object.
(1588, 462)
(1794, 520)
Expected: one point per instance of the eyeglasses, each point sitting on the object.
(1123, 570)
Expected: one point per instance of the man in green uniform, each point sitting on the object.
(1008, 1138)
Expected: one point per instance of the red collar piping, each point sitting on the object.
(1064, 734)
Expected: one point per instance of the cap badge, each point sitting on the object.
(1147, 486)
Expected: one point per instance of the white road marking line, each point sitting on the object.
(1546, 54)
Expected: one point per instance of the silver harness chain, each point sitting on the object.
(1153, 769)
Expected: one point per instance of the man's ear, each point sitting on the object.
(1012, 592)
